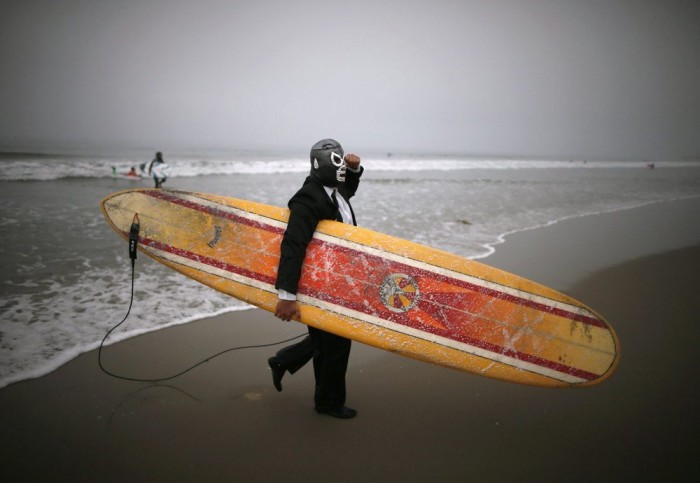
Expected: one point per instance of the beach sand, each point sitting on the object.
(224, 421)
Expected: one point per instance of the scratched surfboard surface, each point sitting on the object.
(380, 290)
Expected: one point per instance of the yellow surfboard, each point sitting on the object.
(376, 289)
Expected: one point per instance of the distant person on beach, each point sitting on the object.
(325, 195)
(153, 170)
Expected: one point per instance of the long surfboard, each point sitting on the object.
(377, 289)
(161, 170)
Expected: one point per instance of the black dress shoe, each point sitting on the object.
(277, 373)
(343, 412)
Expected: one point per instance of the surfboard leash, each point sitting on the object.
(133, 245)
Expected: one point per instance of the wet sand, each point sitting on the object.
(223, 421)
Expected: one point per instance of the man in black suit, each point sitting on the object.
(325, 195)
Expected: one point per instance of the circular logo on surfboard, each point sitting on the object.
(399, 292)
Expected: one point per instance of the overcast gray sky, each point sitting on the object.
(598, 78)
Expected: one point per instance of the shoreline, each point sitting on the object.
(503, 237)
(129, 331)
(509, 255)
(590, 243)
(224, 420)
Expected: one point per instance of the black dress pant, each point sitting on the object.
(330, 355)
(293, 357)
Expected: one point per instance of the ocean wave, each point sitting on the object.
(48, 168)
(51, 325)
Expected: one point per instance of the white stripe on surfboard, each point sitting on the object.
(513, 292)
(263, 220)
(376, 321)
(443, 341)
(210, 269)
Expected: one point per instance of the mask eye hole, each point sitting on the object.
(337, 160)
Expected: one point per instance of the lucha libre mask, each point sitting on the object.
(328, 162)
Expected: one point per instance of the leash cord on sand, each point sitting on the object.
(133, 240)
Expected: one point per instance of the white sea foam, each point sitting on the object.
(41, 331)
(46, 168)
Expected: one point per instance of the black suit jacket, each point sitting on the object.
(308, 206)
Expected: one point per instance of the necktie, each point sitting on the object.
(338, 216)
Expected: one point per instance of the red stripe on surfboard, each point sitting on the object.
(397, 266)
(405, 320)
(400, 267)
(163, 195)
(395, 318)
(212, 262)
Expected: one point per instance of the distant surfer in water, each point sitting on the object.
(325, 195)
(153, 170)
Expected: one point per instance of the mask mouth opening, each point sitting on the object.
(340, 174)
(339, 162)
